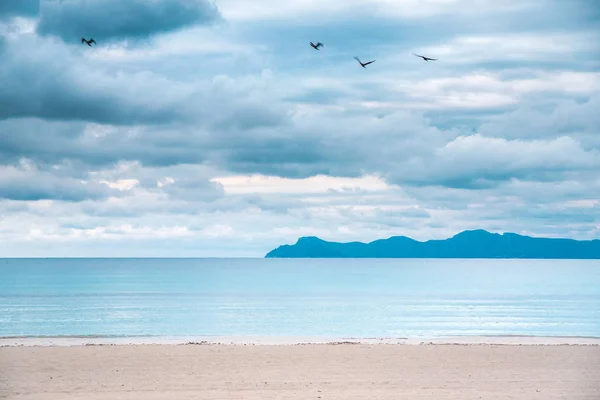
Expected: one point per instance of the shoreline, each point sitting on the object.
(506, 340)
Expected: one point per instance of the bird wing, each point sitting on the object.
(418, 56)
(432, 59)
(93, 41)
(369, 62)
(82, 40)
(356, 58)
(319, 44)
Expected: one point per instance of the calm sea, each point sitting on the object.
(305, 297)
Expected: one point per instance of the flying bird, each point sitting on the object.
(425, 58)
(88, 42)
(316, 46)
(364, 65)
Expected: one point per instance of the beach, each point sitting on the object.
(468, 369)
(110, 329)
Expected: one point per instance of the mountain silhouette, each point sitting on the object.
(467, 244)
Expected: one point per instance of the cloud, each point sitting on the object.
(308, 143)
(20, 8)
(106, 20)
(523, 47)
(45, 79)
(420, 212)
(486, 90)
(27, 183)
(476, 161)
(577, 119)
(315, 184)
(265, 10)
(182, 140)
(186, 183)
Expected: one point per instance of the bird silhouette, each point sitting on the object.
(425, 58)
(362, 64)
(88, 42)
(316, 46)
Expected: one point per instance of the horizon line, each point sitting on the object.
(289, 258)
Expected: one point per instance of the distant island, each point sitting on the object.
(467, 244)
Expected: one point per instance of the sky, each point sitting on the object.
(213, 129)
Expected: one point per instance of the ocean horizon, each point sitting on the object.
(257, 297)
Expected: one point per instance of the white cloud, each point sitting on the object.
(164, 182)
(490, 90)
(525, 46)
(239, 10)
(316, 184)
(117, 232)
(122, 184)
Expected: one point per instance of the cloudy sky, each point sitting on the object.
(213, 129)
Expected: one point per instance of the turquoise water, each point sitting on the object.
(307, 297)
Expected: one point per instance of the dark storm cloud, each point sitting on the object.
(119, 19)
(19, 8)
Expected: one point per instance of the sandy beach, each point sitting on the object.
(301, 371)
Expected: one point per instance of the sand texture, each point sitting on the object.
(346, 371)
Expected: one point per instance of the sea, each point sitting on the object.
(358, 298)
